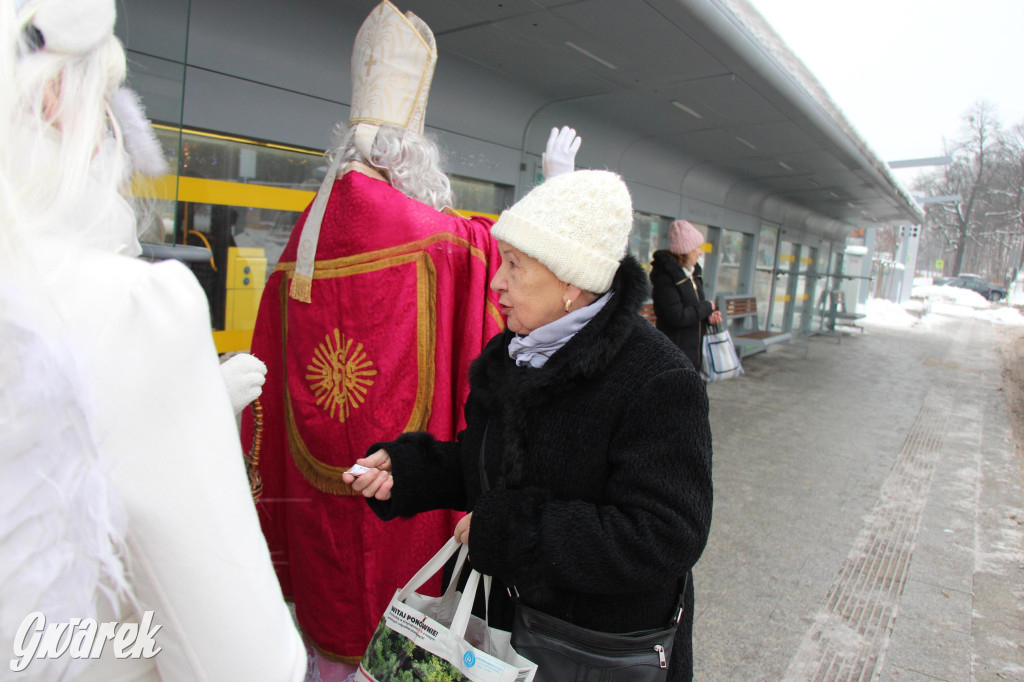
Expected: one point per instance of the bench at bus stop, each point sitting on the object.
(748, 338)
(740, 318)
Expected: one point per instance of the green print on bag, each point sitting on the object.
(437, 638)
(394, 657)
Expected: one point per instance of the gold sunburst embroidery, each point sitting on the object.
(339, 375)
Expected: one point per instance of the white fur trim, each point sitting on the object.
(139, 140)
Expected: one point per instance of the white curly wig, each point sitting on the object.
(410, 161)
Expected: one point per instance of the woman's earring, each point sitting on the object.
(567, 304)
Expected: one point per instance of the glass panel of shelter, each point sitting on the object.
(784, 292)
(764, 273)
(806, 287)
(851, 270)
(210, 161)
(649, 234)
(480, 195)
(830, 273)
(733, 248)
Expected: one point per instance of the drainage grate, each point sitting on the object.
(850, 633)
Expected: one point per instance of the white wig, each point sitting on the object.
(411, 162)
(63, 166)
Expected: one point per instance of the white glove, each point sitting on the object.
(244, 375)
(560, 156)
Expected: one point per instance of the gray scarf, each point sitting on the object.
(535, 348)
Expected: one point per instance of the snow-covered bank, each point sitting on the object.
(927, 299)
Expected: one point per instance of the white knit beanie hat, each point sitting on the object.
(576, 224)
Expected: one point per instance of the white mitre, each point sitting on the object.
(393, 62)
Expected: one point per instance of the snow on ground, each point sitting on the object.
(885, 313)
(927, 299)
(952, 295)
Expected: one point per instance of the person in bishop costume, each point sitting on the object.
(368, 325)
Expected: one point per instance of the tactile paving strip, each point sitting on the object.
(849, 636)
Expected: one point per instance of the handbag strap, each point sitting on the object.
(681, 607)
(702, 324)
(693, 283)
(513, 593)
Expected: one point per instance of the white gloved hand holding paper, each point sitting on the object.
(560, 156)
(244, 375)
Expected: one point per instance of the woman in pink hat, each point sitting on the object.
(678, 291)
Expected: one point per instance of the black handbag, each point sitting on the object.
(565, 652)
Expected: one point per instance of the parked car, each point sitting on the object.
(975, 283)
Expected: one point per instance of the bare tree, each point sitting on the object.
(1008, 199)
(887, 241)
(976, 157)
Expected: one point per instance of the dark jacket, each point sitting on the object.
(599, 467)
(679, 304)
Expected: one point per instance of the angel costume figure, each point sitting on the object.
(368, 325)
(123, 492)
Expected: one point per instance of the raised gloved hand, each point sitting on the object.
(244, 375)
(560, 156)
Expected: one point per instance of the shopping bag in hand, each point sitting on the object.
(438, 638)
(720, 360)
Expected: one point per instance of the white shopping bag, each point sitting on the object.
(438, 638)
(720, 360)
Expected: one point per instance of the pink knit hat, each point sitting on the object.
(683, 237)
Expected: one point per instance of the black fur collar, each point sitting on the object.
(587, 353)
(511, 391)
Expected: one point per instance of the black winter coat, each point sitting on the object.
(599, 467)
(679, 304)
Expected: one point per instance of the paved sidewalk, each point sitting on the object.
(869, 513)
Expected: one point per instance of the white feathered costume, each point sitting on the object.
(122, 483)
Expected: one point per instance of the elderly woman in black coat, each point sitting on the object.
(597, 457)
(682, 310)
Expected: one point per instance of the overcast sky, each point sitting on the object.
(904, 71)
